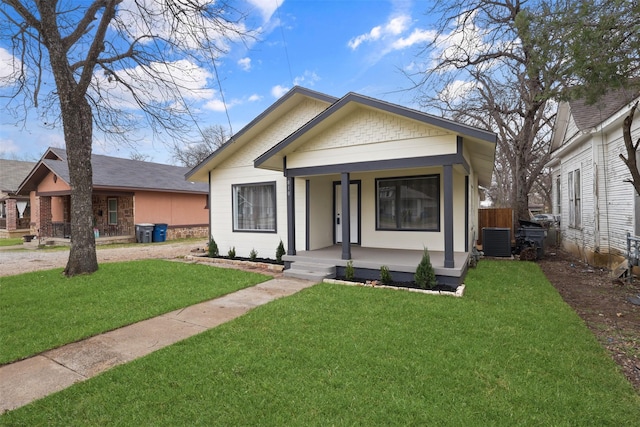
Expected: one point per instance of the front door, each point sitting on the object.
(354, 206)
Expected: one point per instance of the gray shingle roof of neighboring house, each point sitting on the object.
(588, 116)
(12, 173)
(115, 172)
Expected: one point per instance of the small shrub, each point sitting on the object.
(232, 252)
(425, 277)
(253, 255)
(280, 252)
(349, 271)
(385, 275)
(213, 248)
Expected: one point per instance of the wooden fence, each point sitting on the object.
(496, 218)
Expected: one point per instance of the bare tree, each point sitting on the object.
(192, 153)
(482, 68)
(113, 64)
(632, 149)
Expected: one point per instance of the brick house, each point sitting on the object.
(15, 210)
(125, 193)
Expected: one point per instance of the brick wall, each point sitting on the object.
(12, 214)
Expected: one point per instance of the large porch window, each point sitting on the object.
(411, 203)
(254, 207)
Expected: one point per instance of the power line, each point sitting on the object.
(284, 41)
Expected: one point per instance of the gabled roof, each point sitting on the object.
(352, 100)
(589, 116)
(12, 172)
(284, 104)
(481, 143)
(116, 173)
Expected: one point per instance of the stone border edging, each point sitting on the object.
(237, 262)
(458, 293)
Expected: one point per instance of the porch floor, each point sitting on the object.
(373, 258)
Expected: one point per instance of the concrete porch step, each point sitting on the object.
(310, 271)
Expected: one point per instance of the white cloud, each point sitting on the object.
(140, 18)
(245, 64)
(255, 97)
(266, 7)
(277, 91)
(308, 78)
(418, 36)
(191, 84)
(394, 27)
(9, 66)
(8, 147)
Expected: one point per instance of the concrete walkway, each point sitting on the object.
(31, 379)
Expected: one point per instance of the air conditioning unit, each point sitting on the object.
(496, 242)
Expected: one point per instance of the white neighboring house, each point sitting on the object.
(406, 180)
(597, 207)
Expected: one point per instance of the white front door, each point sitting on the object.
(354, 210)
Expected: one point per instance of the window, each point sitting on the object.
(112, 211)
(254, 207)
(573, 184)
(411, 203)
(558, 196)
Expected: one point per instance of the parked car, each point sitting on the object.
(545, 218)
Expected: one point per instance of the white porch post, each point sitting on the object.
(346, 216)
(448, 217)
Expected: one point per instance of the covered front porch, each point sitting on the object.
(402, 263)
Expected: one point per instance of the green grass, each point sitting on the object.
(510, 352)
(44, 309)
(11, 241)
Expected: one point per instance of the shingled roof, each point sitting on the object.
(589, 116)
(12, 172)
(117, 173)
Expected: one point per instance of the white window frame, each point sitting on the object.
(111, 211)
(575, 198)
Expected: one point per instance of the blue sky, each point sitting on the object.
(331, 46)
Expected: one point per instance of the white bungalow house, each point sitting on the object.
(351, 178)
(597, 207)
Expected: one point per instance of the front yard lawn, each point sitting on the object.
(510, 352)
(44, 309)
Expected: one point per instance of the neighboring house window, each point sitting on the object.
(112, 211)
(558, 196)
(411, 203)
(573, 184)
(2, 210)
(254, 207)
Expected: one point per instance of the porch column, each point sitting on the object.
(12, 214)
(291, 218)
(346, 216)
(448, 217)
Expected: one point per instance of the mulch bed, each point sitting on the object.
(604, 304)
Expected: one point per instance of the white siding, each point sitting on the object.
(608, 208)
(239, 169)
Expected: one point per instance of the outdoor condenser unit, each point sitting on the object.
(496, 242)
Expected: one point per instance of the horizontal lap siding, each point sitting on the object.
(620, 195)
(239, 169)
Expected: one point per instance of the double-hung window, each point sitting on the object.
(573, 187)
(112, 211)
(411, 203)
(254, 207)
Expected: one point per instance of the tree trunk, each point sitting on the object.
(78, 129)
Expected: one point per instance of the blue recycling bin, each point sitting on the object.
(160, 232)
(144, 233)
